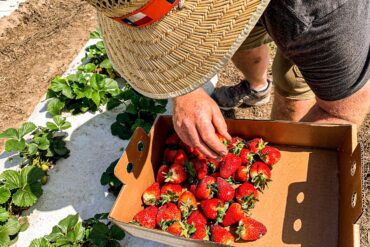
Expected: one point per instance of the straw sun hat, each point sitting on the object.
(166, 48)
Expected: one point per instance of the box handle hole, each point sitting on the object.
(130, 167)
(300, 197)
(353, 168)
(354, 199)
(140, 146)
(297, 225)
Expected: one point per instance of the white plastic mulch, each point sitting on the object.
(8, 6)
(74, 184)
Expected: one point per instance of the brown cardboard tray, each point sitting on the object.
(314, 200)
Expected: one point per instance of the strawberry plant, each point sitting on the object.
(70, 231)
(10, 226)
(140, 112)
(108, 178)
(46, 144)
(80, 92)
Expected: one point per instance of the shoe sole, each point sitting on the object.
(258, 103)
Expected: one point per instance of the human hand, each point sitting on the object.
(196, 119)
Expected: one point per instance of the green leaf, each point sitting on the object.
(26, 128)
(4, 214)
(99, 234)
(68, 223)
(55, 106)
(111, 86)
(79, 232)
(12, 179)
(40, 242)
(100, 45)
(12, 226)
(58, 84)
(106, 64)
(4, 194)
(30, 174)
(116, 232)
(28, 195)
(131, 109)
(88, 68)
(9, 133)
(96, 98)
(51, 126)
(42, 142)
(24, 223)
(4, 237)
(95, 34)
(15, 145)
(32, 148)
(65, 126)
(118, 130)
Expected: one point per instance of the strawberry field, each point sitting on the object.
(56, 170)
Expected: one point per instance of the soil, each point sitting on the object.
(40, 39)
(37, 42)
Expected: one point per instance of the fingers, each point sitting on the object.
(218, 121)
(208, 134)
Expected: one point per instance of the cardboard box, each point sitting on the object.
(315, 197)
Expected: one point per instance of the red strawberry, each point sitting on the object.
(192, 188)
(246, 195)
(221, 235)
(205, 188)
(215, 175)
(197, 219)
(201, 233)
(212, 165)
(270, 155)
(161, 175)
(173, 140)
(152, 194)
(170, 193)
(233, 214)
(187, 203)
(201, 168)
(169, 155)
(255, 145)
(180, 157)
(225, 191)
(167, 214)
(250, 229)
(260, 175)
(236, 145)
(246, 156)
(230, 163)
(242, 174)
(222, 139)
(213, 209)
(146, 217)
(175, 228)
(176, 174)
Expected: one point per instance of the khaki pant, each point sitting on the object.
(288, 80)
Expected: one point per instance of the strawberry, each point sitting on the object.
(225, 191)
(213, 209)
(221, 235)
(167, 214)
(187, 203)
(170, 193)
(260, 174)
(212, 165)
(229, 165)
(201, 168)
(176, 174)
(180, 228)
(146, 217)
(205, 188)
(242, 174)
(173, 140)
(192, 188)
(222, 139)
(169, 155)
(255, 145)
(152, 194)
(197, 219)
(201, 233)
(233, 214)
(270, 155)
(246, 195)
(250, 229)
(236, 145)
(180, 157)
(161, 175)
(215, 175)
(246, 156)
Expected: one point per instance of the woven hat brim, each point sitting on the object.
(185, 49)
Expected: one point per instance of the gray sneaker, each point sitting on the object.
(230, 97)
